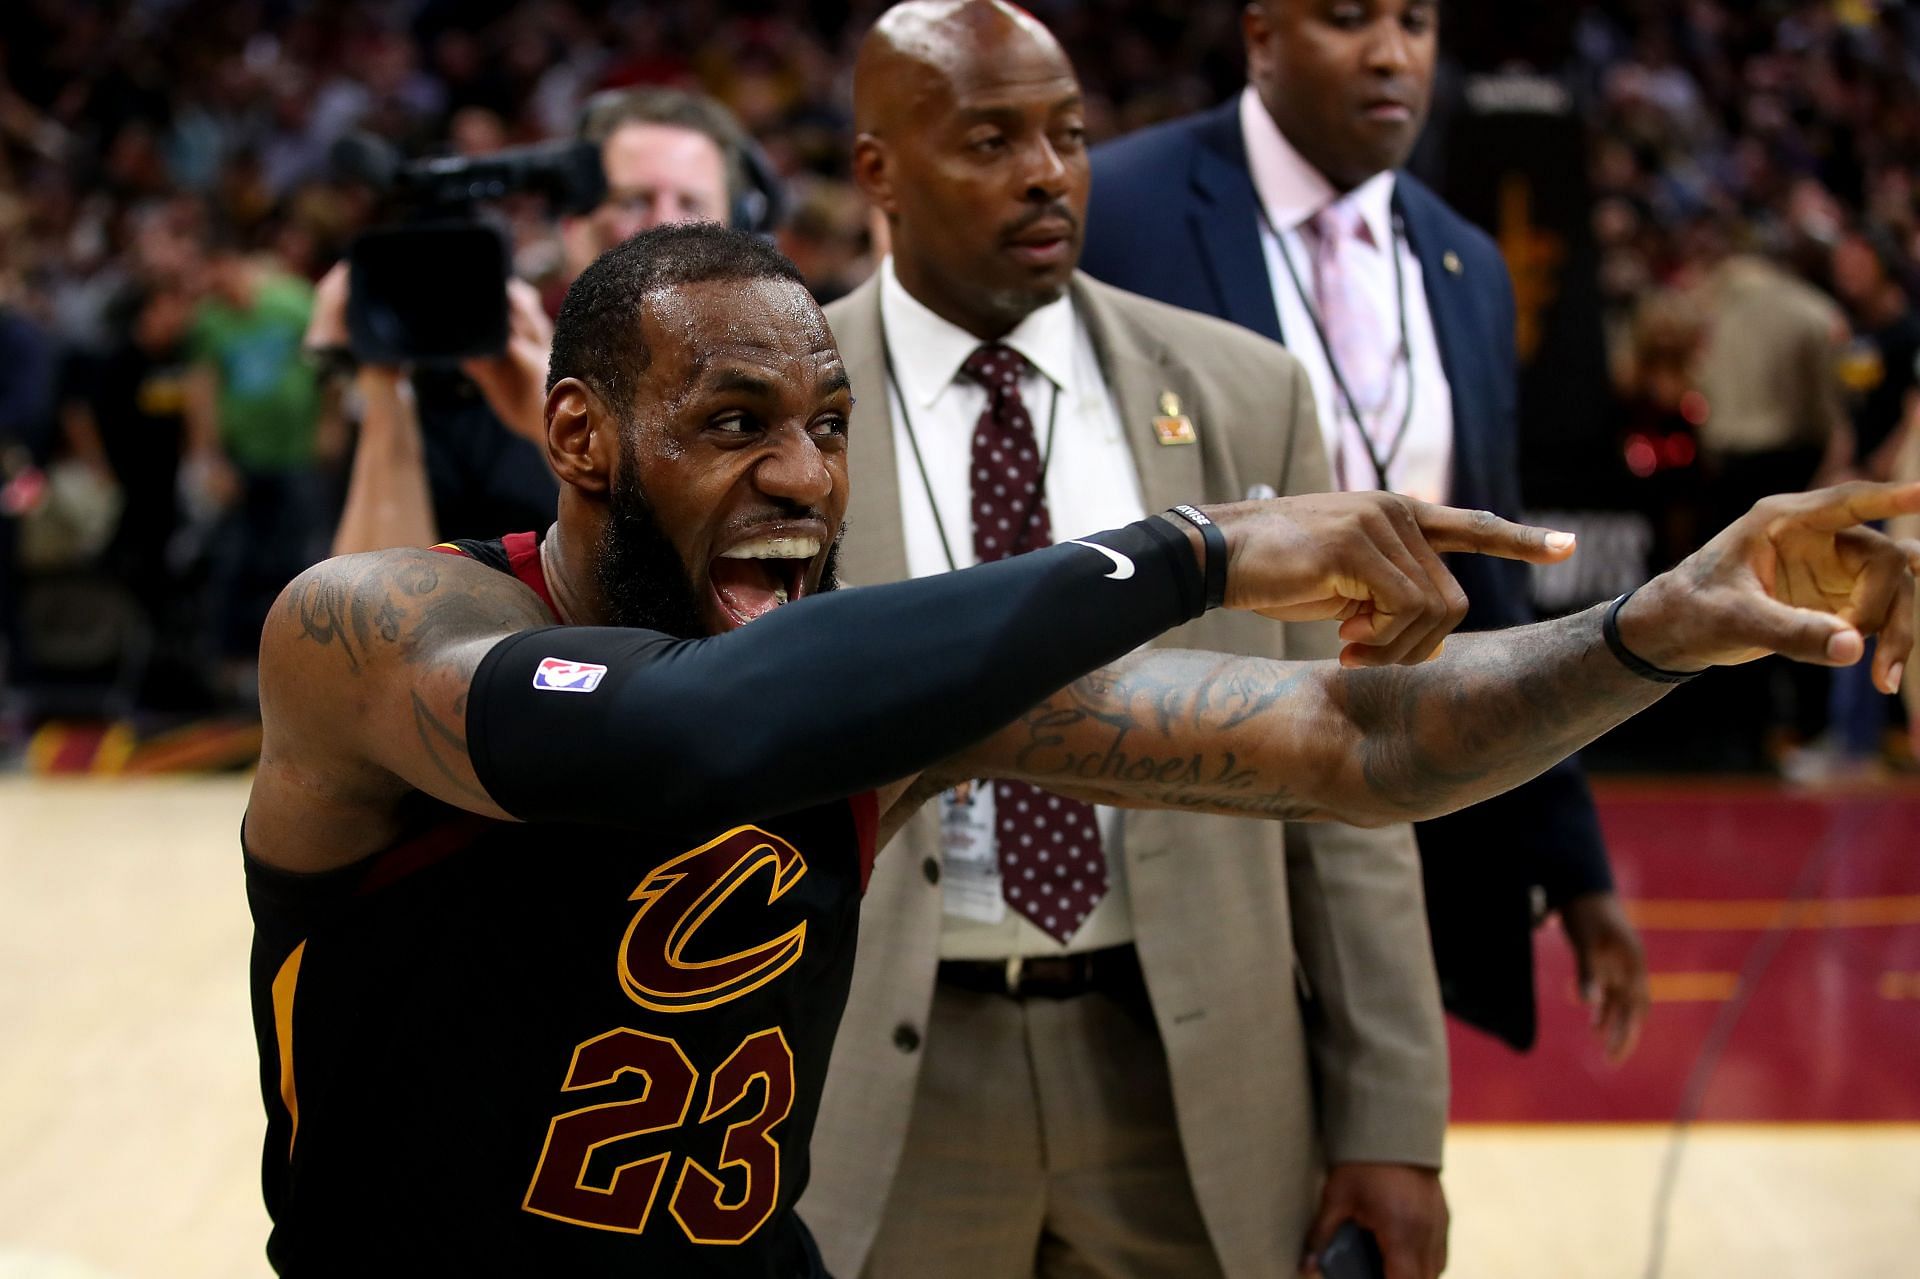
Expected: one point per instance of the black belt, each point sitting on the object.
(1114, 970)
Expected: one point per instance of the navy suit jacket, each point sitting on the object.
(1174, 215)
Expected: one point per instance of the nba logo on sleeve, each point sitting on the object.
(557, 676)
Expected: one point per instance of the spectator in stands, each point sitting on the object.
(1776, 421)
(27, 351)
(256, 421)
(123, 414)
(1878, 370)
(1796, 117)
(1655, 373)
(27, 372)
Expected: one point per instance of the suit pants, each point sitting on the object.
(1042, 1143)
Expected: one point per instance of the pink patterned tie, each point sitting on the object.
(1052, 867)
(1358, 340)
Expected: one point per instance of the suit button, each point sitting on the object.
(905, 1038)
(931, 869)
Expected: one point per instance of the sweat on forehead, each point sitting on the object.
(598, 338)
(950, 38)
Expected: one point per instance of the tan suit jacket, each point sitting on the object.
(1285, 963)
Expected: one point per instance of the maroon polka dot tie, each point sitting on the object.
(1052, 868)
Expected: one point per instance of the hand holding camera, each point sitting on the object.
(513, 381)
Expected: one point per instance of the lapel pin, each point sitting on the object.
(1173, 426)
(1451, 261)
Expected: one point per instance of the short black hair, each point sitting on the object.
(598, 337)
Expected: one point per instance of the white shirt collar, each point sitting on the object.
(928, 350)
(1291, 190)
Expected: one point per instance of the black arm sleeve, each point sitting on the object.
(823, 698)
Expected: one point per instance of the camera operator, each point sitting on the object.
(446, 454)
(668, 156)
(441, 453)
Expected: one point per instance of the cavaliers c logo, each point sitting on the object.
(680, 896)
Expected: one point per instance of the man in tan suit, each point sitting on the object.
(1159, 1090)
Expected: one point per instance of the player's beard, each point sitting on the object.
(643, 581)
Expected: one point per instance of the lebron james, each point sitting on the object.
(557, 843)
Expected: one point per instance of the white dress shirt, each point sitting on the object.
(1291, 191)
(1091, 484)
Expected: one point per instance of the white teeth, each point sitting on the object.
(774, 548)
(779, 595)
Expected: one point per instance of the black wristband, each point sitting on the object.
(1216, 546)
(1610, 631)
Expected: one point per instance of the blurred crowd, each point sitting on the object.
(1783, 133)
(1758, 232)
(167, 204)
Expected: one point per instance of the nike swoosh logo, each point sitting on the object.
(1122, 566)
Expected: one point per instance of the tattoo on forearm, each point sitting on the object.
(1149, 730)
(1049, 752)
(1173, 688)
(1243, 736)
(1496, 710)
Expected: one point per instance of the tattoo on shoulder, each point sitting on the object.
(396, 599)
(445, 744)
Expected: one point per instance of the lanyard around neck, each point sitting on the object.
(1019, 534)
(1381, 464)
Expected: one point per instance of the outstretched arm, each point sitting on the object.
(409, 670)
(1310, 740)
(406, 670)
(1369, 746)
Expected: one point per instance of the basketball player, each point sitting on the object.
(555, 861)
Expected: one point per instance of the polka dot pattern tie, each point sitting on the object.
(1052, 867)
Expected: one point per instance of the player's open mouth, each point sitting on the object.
(753, 578)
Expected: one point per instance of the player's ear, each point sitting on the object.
(583, 442)
(873, 172)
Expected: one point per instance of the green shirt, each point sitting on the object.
(269, 398)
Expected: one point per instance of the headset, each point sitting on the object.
(757, 200)
(760, 206)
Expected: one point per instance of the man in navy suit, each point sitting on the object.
(1284, 210)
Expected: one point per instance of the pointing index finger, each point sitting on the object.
(1845, 505)
(1449, 528)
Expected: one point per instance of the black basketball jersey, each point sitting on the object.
(536, 1049)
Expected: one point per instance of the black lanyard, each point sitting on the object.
(1019, 534)
(1380, 464)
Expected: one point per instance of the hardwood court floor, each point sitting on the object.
(130, 1116)
(129, 1092)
